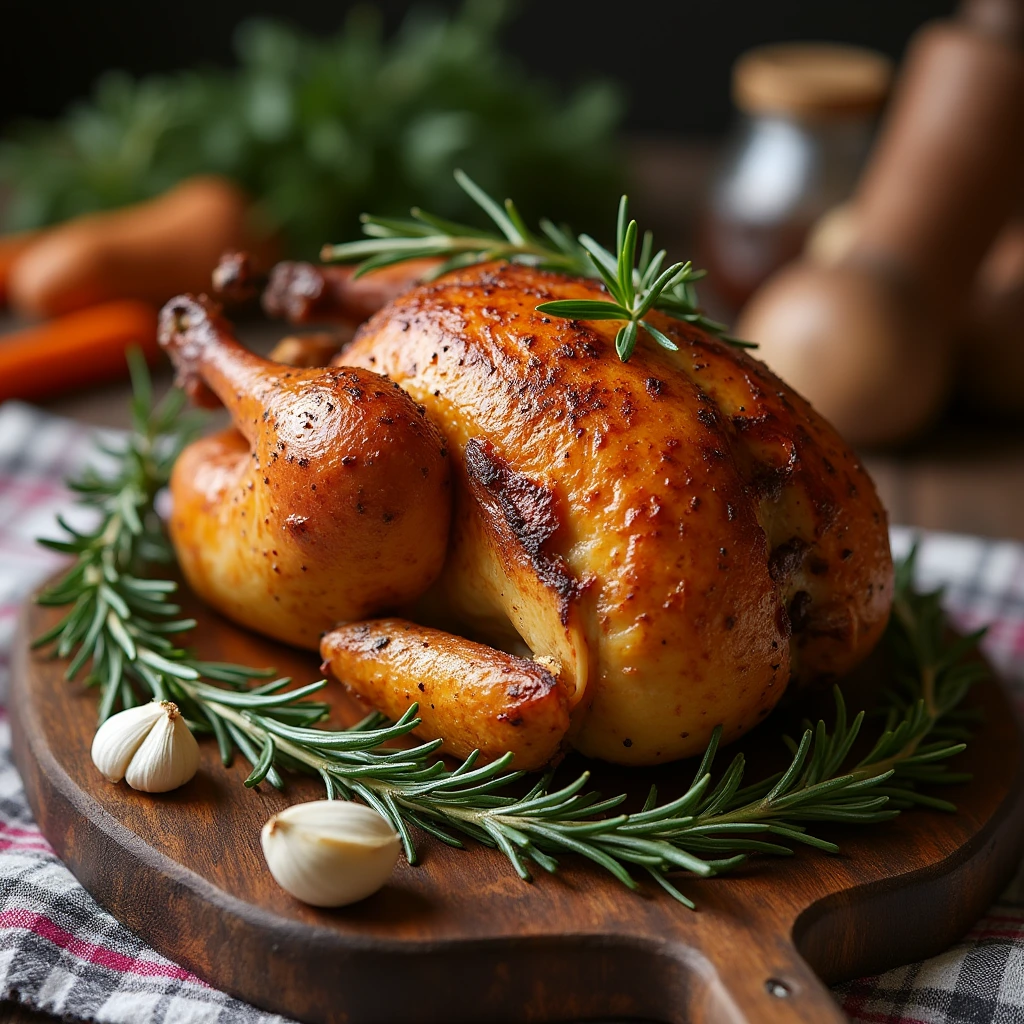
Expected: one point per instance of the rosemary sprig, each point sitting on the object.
(120, 624)
(635, 288)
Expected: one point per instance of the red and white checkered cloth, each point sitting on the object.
(61, 953)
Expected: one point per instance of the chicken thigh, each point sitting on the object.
(638, 551)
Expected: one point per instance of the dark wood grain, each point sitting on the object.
(460, 938)
(16, 1013)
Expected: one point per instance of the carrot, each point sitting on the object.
(75, 350)
(11, 247)
(149, 251)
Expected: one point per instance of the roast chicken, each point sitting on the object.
(479, 508)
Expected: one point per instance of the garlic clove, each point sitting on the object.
(330, 853)
(149, 746)
(120, 736)
(168, 757)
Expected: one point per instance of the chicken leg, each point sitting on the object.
(329, 500)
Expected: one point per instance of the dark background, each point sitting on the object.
(672, 57)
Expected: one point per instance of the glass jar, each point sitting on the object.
(807, 116)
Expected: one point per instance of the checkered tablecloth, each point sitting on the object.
(59, 952)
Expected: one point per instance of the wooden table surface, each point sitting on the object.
(15, 1013)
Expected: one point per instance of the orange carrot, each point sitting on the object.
(149, 251)
(11, 247)
(75, 350)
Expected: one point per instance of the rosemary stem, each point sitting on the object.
(243, 722)
(449, 245)
(307, 757)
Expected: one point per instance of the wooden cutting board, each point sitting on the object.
(461, 938)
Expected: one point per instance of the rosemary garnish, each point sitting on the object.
(120, 624)
(635, 288)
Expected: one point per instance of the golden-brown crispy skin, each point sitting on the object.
(677, 532)
(329, 501)
(474, 696)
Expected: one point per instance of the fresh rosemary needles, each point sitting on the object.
(120, 628)
(635, 288)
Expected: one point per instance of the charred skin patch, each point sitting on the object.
(522, 512)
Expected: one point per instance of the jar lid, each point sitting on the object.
(811, 80)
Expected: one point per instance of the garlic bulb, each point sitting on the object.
(330, 852)
(149, 746)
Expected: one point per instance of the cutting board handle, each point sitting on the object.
(760, 978)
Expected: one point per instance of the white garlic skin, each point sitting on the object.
(148, 746)
(330, 853)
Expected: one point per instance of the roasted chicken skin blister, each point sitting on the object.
(483, 502)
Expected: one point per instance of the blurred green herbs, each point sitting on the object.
(320, 129)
